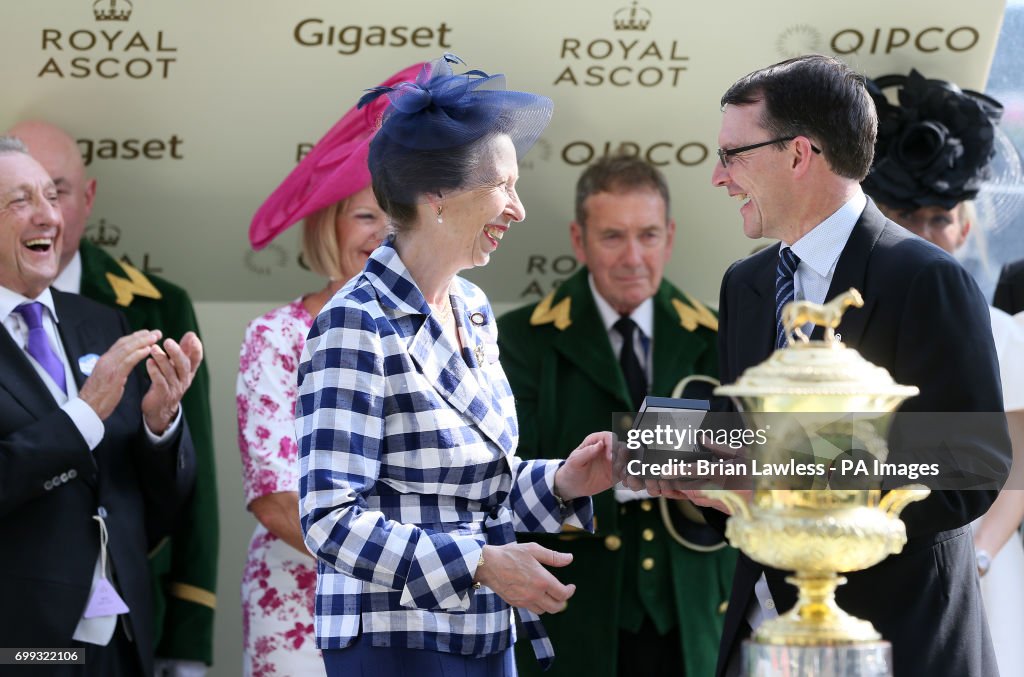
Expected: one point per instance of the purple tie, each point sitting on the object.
(39, 343)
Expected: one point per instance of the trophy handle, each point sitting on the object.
(734, 501)
(896, 500)
(697, 390)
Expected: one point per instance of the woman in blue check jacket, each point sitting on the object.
(410, 490)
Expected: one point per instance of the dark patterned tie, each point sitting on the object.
(39, 343)
(784, 290)
(636, 379)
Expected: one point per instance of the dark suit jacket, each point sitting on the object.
(924, 320)
(51, 485)
(1009, 296)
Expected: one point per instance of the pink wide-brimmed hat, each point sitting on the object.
(333, 170)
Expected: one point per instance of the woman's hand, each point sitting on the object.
(515, 573)
(588, 470)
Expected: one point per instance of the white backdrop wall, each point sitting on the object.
(189, 112)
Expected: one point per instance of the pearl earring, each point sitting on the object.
(439, 219)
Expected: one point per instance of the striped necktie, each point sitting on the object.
(784, 290)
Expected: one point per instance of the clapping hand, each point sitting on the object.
(103, 390)
(171, 370)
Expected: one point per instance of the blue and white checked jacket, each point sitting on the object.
(407, 467)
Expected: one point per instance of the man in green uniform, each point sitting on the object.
(651, 582)
(183, 566)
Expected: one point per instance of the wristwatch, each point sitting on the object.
(984, 561)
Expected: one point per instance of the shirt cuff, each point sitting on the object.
(89, 424)
(624, 495)
(157, 440)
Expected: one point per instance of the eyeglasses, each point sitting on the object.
(725, 153)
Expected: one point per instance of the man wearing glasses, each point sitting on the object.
(796, 140)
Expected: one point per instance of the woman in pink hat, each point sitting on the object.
(330, 189)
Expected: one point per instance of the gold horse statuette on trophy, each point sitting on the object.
(796, 314)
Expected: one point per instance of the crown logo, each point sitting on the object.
(633, 18)
(112, 12)
(103, 235)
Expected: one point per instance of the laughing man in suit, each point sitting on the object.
(183, 567)
(94, 457)
(796, 140)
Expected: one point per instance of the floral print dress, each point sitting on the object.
(279, 583)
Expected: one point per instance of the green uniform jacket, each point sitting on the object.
(567, 383)
(183, 567)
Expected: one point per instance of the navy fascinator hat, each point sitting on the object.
(441, 111)
(935, 147)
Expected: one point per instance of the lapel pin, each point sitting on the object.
(86, 363)
(478, 319)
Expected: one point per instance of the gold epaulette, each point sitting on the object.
(694, 315)
(193, 593)
(137, 284)
(544, 313)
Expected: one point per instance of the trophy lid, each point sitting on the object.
(817, 368)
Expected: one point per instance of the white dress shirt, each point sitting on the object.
(819, 250)
(643, 340)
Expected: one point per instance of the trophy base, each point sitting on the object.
(816, 620)
(869, 659)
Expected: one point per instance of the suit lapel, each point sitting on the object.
(478, 331)
(673, 345)
(447, 372)
(20, 379)
(757, 313)
(585, 343)
(75, 333)
(444, 368)
(851, 271)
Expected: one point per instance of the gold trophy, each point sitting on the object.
(817, 531)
